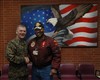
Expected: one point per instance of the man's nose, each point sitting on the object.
(23, 32)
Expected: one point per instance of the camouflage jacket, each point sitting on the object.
(15, 52)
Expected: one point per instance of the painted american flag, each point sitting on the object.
(32, 14)
(84, 29)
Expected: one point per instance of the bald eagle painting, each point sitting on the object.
(71, 25)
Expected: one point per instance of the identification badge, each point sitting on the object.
(35, 52)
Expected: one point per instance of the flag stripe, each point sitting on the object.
(90, 15)
(67, 9)
(94, 8)
(63, 15)
(84, 29)
(78, 25)
(76, 39)
(83, 43)
(84, 34)
(93, 19)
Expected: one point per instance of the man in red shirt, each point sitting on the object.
(45, 55)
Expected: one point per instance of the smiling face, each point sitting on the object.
(21, 31)
(39, 30)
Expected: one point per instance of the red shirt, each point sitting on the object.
(48, 52)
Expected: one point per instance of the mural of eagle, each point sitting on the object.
(61, 23)
(56, 25)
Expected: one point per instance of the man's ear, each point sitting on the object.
(42, 29)
(16, 32)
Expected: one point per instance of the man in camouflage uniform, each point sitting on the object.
(16, 54)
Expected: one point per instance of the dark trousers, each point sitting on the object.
(41, 74)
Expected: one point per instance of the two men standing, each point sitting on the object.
(43, 52)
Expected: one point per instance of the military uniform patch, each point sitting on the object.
(55, 42)
(32, 44)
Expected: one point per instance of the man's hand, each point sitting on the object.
(53, 72)
(27, 60)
